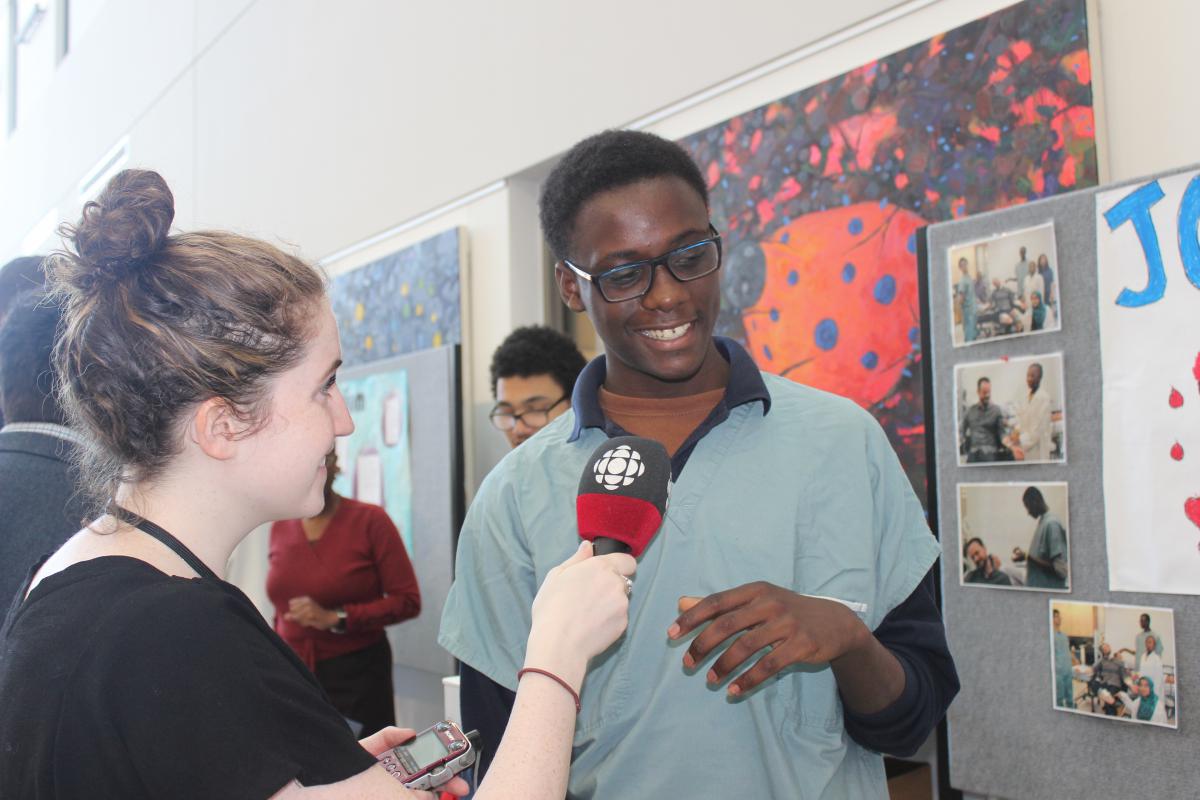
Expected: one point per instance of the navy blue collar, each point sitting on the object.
(745, 386)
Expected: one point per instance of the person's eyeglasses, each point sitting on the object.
(630, 281)
(534, 417)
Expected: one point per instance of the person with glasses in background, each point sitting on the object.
(533, 374)
(783, 628)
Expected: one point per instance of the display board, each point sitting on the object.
(407, 446)
(1019, 729)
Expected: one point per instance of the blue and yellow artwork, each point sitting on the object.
(375, 460)
(401, 303)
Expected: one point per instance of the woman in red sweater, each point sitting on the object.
(336, 580)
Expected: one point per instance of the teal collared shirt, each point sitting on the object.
(810, 497)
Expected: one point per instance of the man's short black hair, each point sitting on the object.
(26, 373)
(608, 160)
(1034, 502)
(979, 383)
(538, 350)
(970, 542)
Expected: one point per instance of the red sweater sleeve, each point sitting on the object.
(402, 595)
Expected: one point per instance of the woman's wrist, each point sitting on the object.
(558, 660)
(337, 620)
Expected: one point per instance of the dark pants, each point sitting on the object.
(359, 685)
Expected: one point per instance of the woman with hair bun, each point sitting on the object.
(203, 368)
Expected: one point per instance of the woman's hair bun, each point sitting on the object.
(122, 229)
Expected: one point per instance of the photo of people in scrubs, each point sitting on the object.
(1114, 661)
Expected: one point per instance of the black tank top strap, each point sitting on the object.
(150, 529)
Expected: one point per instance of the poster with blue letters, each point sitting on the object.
(1148, 261)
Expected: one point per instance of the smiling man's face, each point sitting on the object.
(660, 344)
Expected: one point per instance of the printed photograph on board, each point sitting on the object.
(1014, 536)
(1005, 286)
(1011, 410)
(1114, 661)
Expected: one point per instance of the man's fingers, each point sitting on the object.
(771, 662)
(712, 606)
(686, 603)
(721, 628)
(737, 653)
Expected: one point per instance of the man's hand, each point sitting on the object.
(798, 629)
(309, 613)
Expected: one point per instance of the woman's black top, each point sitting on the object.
(117, 680)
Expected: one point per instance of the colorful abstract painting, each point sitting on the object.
(818, 196)
(376, 460)
(401, 303)
(1148, 275)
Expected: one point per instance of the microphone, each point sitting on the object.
(623, 495)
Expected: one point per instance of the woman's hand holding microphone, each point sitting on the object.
(581, 609)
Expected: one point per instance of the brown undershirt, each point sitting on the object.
(667, 420)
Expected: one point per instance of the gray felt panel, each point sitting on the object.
(436, 495)
(1006, 740)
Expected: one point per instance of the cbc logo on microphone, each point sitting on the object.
(618, 467)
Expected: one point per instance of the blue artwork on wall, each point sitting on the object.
(401, 303)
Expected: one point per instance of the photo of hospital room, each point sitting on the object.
(1014, 536)
(1005, 286)
(1114, 661)
(1011, 410)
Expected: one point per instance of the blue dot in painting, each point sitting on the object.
(848, 272)
(885, 289)
(774, 315)
(912, 243)
(784, 239)
(914, 334)
(826, 334)
(906, 373)
(767, 352)
(970, 56)
(883, 203)
(869, 359)
(793, 277)
(856, 226)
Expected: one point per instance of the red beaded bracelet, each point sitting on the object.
(556, 679)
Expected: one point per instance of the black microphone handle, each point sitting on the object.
(602, 546)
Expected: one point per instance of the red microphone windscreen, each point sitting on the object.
(623, 492)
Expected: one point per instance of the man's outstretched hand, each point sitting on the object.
(798, 630)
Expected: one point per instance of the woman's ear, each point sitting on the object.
(216, 429)
(568, 287)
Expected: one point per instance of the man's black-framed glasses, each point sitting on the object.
(630, 281)
(505, 420)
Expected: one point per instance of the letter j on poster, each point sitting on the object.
(1148, 262)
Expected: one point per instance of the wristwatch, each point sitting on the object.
(340, 625)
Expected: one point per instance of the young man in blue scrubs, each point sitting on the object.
(817, 644)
